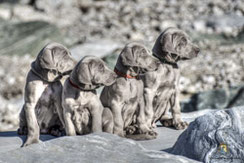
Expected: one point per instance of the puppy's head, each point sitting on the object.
(174, 45)
(53, 61)
(137, 57)
(93, 71)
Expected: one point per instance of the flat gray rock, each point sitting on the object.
(215, 99)
(11, 140)
(167, 137)
(99, 49)
(225, 21)
(27, 37)
(215, 137)
(98, 147)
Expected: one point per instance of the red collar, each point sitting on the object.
(123, 74)
(73, 84)
(84, 87)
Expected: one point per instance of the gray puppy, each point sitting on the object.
(161, 91)
(83, 110)
(125, 96)
(42, 110)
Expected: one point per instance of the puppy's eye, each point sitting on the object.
(182, 42)
(101, 67)
(143, 51)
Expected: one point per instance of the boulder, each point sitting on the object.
(215, 99)
(214, 137)
(99, 48)
(98, 147)
(26, 37)
(225, 23)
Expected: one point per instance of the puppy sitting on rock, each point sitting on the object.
(161, 87)
(42, 110)
(83, 110)
(125, 96)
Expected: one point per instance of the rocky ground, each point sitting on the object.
(26, 26)
(98, 147)
(212, 137)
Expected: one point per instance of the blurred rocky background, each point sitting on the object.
(102, 27)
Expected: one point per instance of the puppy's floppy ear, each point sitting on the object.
(167, 41)
(83, 73)
(46, 59)
(128, 56)
(57, 57)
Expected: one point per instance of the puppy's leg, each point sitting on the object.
(22, 123)
(69, 126)
(96, 111)
(57, 86)
(116, 108)
(108, 121)
(143, 127)
(149, 113)
(166, 120)
(176, 112)
(33, 91)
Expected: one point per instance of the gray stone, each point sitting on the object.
(27, 37)
(225, 23)
(214, 137)
(98, 147)
(215, 99)
(10, 140)
(99, 48)
(9, 113)
(13, 71)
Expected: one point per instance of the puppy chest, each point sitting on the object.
(82, 120)
(164, 93)
(46, 95)
(84, 98)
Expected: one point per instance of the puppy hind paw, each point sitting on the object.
(56, 132)
(22, 131)
(167, 122)
(130, 130)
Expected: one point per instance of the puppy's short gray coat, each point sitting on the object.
(161, 92)
(125, 96)
(83, 110)
(42, 108)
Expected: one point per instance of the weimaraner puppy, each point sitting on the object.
(125, 96)
(83, 110)
(42, 110)
(161, 92)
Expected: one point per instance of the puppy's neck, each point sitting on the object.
(164, 61)
(123, 71)
(83, 87)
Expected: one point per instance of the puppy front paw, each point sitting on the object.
(152, 133)
(120, 133)
(180, 125)
(30, 141)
